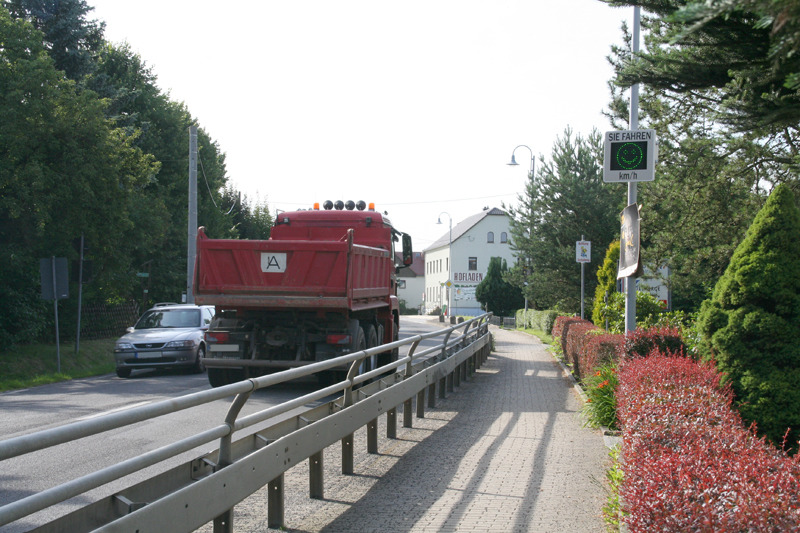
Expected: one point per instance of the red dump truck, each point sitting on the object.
(323, 285)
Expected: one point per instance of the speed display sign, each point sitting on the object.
(629, 156)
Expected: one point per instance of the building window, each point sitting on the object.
(490, 237)
(504, 237)
(473, 263)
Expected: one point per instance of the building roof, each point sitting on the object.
(417, 268)
(464, 226)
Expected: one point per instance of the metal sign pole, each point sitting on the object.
(630, 282)
(55, 307)
(80, 298)
(582, 285)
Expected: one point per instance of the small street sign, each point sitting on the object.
(629, 156)
(583, 251)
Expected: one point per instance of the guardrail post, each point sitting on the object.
(347, 455)
(450, 381)
(315, 476)
(443, 387)
(224, 522)
(407, 407)
(391, 423)
(432, 395)
(421, 404)
(457, 375)
(275, 503)
(372, 436)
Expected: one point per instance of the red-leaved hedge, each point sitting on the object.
(562, 324)
(689, 463)
(641, 342)
(575, 341)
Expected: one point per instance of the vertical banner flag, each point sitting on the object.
(629, 256)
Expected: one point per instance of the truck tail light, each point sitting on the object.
(217, 336)
(338, 339)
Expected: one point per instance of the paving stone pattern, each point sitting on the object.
(505, 452)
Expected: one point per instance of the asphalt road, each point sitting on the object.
(31, 410)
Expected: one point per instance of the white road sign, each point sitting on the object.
(629, 156)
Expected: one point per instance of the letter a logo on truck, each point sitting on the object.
(273, 262)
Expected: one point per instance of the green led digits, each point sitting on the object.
(628, 155)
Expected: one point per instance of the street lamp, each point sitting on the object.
(530, 176)
(449, 257)
(514, 161)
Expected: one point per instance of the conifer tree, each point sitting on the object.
(606, 284)
(495, 293)
(751, 324)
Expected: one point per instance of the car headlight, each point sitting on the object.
(180, 345)
(121, 346)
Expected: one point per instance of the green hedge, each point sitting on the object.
(538, 320)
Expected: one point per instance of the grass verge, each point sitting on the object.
(37, 364)
(544, 337)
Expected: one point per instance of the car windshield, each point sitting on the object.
(170, 318)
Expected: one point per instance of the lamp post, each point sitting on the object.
(513, 162)
(449, 258)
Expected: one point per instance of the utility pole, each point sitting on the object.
(192, 234)
(630, 281)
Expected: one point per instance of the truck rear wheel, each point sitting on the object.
(359, 345)
(385, 358)
(372, 341)
(217, 377)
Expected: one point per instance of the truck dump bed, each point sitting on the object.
(279, 274)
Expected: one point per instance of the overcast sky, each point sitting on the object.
(413, 105)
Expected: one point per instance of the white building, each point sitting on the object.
(461, 259)
(411, 282)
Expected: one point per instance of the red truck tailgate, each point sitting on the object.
(291, 273)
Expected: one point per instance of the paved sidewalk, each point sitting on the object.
(505, 452)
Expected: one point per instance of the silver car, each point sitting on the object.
(166, 336)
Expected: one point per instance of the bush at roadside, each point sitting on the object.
(535, 319)
(601, 407)
(689, 463)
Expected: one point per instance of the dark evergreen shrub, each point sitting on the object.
(751, 324)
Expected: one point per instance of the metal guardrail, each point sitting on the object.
(208, 488)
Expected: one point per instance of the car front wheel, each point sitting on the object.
(199, 367)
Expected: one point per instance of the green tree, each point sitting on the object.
(251, 217)
(710, 180)
(566, 200)
(496, 294)
(606, 284)
(70, 39)
(743, 50)
(64, 171)
(752, 322)
(160, 127)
